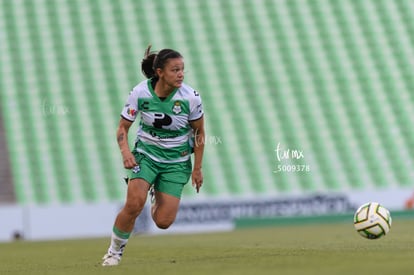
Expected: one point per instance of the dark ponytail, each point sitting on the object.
(154, 60)
(148, 62)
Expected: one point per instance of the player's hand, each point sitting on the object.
(197, 179)
(129, 160)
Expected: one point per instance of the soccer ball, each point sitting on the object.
(372, 220)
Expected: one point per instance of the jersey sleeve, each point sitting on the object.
(130, 110)
(196, 107)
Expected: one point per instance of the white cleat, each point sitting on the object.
(111, 259)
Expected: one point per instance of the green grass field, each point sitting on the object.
(301, 249)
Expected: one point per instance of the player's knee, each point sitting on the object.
(134, 208)
(163, 223)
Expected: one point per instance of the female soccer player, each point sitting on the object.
(170, 112)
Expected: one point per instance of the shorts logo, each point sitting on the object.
(136, 169)
(177, 107)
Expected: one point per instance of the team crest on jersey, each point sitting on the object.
(177, 107)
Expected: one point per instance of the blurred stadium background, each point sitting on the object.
(307, 103)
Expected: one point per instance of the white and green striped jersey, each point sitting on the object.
(164, 131)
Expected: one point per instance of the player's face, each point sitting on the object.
(173, 72)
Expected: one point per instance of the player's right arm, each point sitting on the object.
(122, 138)
(128, 116)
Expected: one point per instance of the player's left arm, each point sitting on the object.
(199, 138)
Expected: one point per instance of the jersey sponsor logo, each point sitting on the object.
(177, 107)
(154, 134)
(161, 119)
(131, 112)
(144, 105)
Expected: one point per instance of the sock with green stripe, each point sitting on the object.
(119, 240)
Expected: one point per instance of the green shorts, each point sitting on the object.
(168, 178)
